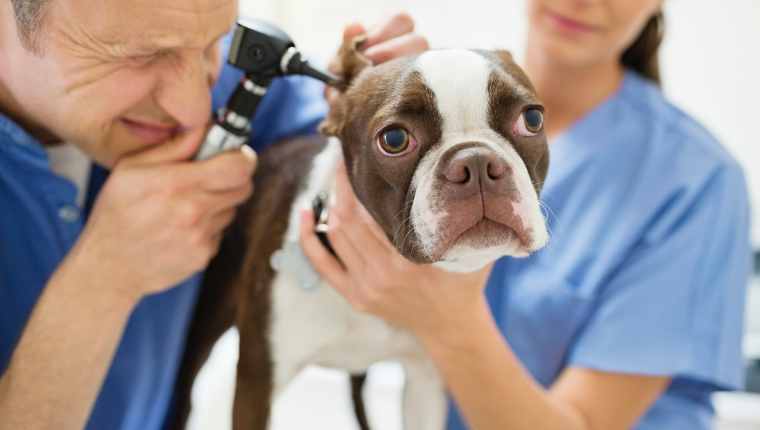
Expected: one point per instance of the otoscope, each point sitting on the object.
(264, 52)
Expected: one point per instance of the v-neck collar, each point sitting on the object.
(577, 143)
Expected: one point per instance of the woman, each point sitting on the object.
(632, 316)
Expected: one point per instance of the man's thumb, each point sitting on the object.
(180, 148)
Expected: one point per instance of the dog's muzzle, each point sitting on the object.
(480, 198)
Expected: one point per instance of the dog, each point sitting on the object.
(446, 150)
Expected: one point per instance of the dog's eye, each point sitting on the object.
(530, 122)
(395, 141)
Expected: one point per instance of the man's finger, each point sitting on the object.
(180, 148)
(220, 221)
(225, 171)
(408, 44)
(229, 199)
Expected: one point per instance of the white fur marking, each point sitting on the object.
(459, 79)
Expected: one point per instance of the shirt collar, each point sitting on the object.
(15, 134)
(578, 142)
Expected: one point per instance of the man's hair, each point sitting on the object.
(29, 15)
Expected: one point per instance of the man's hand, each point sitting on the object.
(160, 217)
(392, 38)
(157, 220)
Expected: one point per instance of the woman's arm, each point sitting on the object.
(494, 391)
(449, 314)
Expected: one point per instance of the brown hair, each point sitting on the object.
(642, 55)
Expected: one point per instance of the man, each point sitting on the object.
(99, 261)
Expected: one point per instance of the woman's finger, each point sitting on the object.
(393, 27)
(408, 44)
(353, 30)
(350, 254)
(357, 222)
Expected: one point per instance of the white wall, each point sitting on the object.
(711, 57)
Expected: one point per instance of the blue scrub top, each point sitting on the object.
(648, 261)
(40, 221)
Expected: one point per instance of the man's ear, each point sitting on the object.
(347, 65)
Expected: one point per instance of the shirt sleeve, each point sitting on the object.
(675, 306)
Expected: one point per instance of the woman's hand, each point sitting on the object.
(375, 278)
(392, 38)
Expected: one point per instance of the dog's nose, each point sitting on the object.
(475, 168)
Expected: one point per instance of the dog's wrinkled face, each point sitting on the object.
(446, 150)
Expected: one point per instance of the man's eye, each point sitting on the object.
(141, 59)
(148, 57)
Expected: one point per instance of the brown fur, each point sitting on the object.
(533, 150)
(236, 288)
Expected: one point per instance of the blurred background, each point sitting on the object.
(711, 69)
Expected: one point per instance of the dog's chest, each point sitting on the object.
(310, 323)
(319, 327)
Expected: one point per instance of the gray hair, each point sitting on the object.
(29, 16)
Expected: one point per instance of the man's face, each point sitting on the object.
(115, 77)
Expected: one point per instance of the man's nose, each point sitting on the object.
(475, 169)
(185, 92)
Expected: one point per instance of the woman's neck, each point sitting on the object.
(569, 92)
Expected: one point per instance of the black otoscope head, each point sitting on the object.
(265, 52)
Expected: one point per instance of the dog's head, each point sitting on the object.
(446, 150)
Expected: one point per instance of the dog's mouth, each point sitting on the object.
(482, 234)
(487, 232)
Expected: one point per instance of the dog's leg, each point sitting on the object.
(264, 371)
(358, 381)
(213, 315)
(424, 397)
(253, 389)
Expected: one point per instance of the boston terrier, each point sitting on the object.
(446, 151)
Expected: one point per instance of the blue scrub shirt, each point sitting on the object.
(645, 271)
(648, 261)
(40, 221)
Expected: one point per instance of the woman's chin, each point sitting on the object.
(566, 53)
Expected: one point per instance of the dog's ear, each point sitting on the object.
(347, 65)
(510, 65)
(500, 56)
(504, 55)
(350, 62)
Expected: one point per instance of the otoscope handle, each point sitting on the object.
(232, 126)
